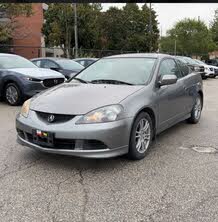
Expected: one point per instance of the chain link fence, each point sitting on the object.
(30, 52)
(35, 52)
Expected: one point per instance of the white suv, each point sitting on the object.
(210, 71)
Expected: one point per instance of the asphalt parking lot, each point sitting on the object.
(177, 181)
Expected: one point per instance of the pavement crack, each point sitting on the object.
(20, 169)
(58, 185)
(85, 191)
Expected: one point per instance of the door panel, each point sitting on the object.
(171, 98)
(170, 104)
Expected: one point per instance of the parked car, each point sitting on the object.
(213, 62)
(21, 79)
(115, 106)
(211, 71)
(67, 67)
(85, 61)
(195, 67)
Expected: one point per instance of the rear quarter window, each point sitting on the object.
(185, 70)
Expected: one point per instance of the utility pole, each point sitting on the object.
(175, 46)
(75, 31)
(150, 29)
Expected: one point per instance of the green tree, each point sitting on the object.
(115, 29)
(192, 37)
(128, 28)
(59, 26)
(214, 28)
(11, 11)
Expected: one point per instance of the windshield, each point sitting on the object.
(189, 60)
(134, 71)
(13, 62)
(200, 62)
(69, 64)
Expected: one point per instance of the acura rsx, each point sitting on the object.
(115, 106)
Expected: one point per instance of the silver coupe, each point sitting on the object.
(115, 106)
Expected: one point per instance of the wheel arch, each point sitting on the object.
(151, 113)
(202, 96)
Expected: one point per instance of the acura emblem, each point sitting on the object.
(51, 118)
(55, 81)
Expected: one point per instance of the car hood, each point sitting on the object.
(38, 73)
(78, 99)
(214, 67)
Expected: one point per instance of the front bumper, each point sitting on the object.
(114, 135)
(30, 88)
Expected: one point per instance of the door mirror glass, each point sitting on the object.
(167, 80)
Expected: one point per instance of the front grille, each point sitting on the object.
(57, 118)
(216, 71)
(52, 82)
(201, 68)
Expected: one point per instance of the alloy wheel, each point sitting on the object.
(197, 108)
(143, 135)
(11, 94)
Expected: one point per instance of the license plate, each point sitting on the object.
(43, 138)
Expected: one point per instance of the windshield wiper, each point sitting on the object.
(110, 81)
(80, 80)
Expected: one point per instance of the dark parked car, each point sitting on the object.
(212, 62)
(21, 79)
(115, 106)
(194, 65)
(85, 61)
(67, 67)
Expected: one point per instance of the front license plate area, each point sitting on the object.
(43, 138)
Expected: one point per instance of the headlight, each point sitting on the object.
(196, 69)
(101, 115)
(32, 79)
(25, 108)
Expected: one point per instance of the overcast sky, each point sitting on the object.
(169, 13)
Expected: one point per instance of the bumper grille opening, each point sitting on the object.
(67, 144)
(21, 133)
(52, 82)
(93, 145)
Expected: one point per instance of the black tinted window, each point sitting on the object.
(169, 67)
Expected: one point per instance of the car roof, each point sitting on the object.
(140, 55)
(50, 58)
(77, 59)
(7, 54)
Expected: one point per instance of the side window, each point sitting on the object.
(185, 70)
(37, 63)
(169, 67)
(82, 62)
(49, 64)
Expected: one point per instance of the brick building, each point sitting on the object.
(27, 36)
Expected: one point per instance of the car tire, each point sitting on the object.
(12, 94)
(196, 111)
(141, 136)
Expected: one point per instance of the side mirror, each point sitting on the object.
(167, 80)
(55, 69)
